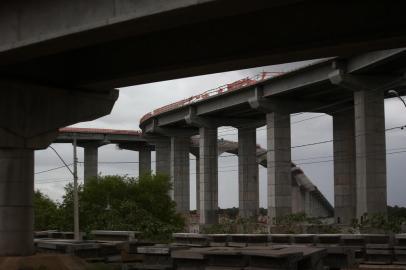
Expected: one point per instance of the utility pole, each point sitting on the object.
(75, 191)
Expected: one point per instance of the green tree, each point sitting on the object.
(46, 214)
(125, 203)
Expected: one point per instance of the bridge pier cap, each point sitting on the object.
(30, 116)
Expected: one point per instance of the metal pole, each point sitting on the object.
(395, 93)
(75, 192)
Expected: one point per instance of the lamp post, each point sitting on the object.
(395, 93)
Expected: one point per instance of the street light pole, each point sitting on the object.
(395, 93)
(75, 191)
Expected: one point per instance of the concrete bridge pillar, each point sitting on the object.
(16, 199)
(30, 116)
(279, 165)
(248, 173)
(163, 155)
(91, 159)
(298, 199)
(370, 152)
(180, 174)
(344, 167)
(208, 175)
(197, 184)
(144, 161)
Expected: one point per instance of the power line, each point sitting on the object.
(53, 169)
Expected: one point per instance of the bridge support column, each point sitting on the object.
(197, 184)
(144, 161)
(16, 201)
(248, 173)
(180, 173)
(163, 155)
(279, 165)
(30, 116)
(208, 175)
(370, 152)
(344, 167)
(91, 154)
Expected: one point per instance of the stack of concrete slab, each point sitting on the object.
(80, 249)
(356, 242)
(105, 235)
(338, 256)
(218, 240)
(191, 239)
(400, 249)
(275, 257)
(245, 240)
(303, 239)
(379, 249)
(155, 257)
(129, 251)
(280, 238)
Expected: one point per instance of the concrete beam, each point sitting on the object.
(193, 119)
(282, 105)
(120, 32)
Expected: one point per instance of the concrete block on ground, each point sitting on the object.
(328, 240)
(248, 240)
(280, 238)
(104, 235)
(379, 254)
(378, 239)
(191, 239)
(339, 257)
(188, 259)
(400, 249)
(280, 257)
(305, 239)
(218, 240)
(355, 242)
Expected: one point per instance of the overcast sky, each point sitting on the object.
(136, 101)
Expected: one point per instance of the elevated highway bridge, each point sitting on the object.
(60, 62)
(306, 196)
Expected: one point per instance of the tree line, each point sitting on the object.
(114, 203)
